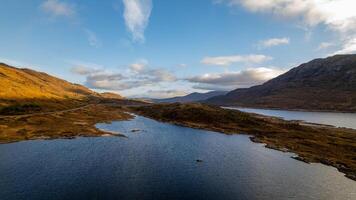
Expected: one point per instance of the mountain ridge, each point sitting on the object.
(25, 90)
(325, 84)
(192, 97)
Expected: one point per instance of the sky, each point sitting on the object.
(165, 48)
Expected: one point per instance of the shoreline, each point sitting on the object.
(288, 109)
(311, 142)
(327, 145)
(61, 125)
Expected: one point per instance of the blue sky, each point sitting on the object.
(160, 48)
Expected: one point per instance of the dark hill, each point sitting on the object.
(321, 84)
(193, 97)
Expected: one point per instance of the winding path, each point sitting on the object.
(45, 113)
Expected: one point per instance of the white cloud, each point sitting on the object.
(159, 75)
(348, 48)
(136, 15)
(183, 65)
(336, 15)
(228, 60)
(139, 66)
(57, 8)
(324, 45)
(84, 68)
(233, 80)
(273, 42)
(92, 38)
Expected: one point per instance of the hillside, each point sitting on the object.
(193, 97)
(110, 95)
(26, 88)
(321, 84)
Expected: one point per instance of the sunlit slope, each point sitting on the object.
(28, 84)
(26, 90)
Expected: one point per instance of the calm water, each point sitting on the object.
(347, 120)
(159, 162)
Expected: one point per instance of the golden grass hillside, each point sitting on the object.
(32, 89)
(26, 83)
(110, 95)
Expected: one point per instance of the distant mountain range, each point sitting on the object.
(193, 97)
(327, 84)
(321, 84)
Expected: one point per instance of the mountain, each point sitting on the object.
(321, 84)
(193, 97)
(26, 83)
(26, 88)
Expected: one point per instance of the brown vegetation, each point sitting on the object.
(328, 145)
(60, 124)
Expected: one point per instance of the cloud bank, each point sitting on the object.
(139, 75)
(228, 60)
(57, 8)
(233, 80)
(273, 42)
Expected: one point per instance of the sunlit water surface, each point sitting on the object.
(347, 120)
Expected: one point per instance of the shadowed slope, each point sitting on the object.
(193, 97)
(321, 84)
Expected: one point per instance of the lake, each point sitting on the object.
(347, 120)
(160, 162)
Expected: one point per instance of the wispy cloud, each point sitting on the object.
(233, 80)
(273, 42)
(228, 60)
(57, 8)
(92, 38)
(348, 47)
(324, 45)
(84, 70)
(139, 66)
(136, 15)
